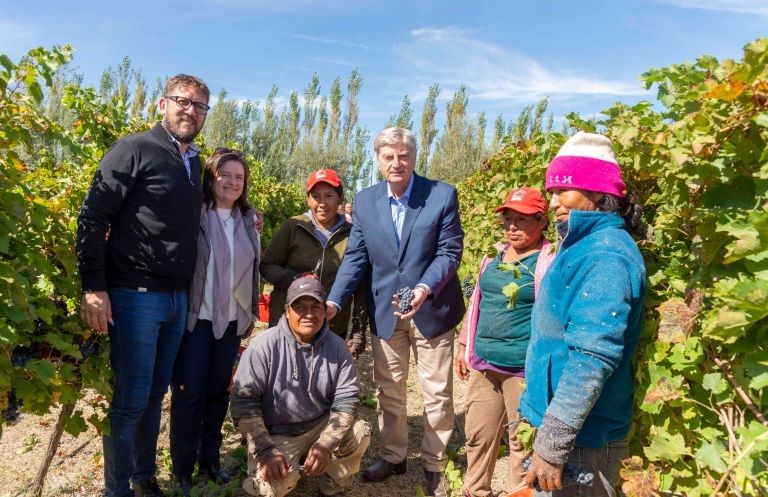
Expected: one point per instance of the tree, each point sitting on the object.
(228, 123)
(428, 130)
(334, 126)
(459, 151)
(404, 119)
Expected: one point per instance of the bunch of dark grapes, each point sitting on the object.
(20, 356)
(467, 286)
(406, 297)
(90, 346)
(572, 475)
(11, 413)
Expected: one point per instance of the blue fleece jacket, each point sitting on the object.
(586, 324)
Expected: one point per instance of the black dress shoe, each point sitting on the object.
(215, 472)
(383, 469)
(185, 484)
(147, 488)
(436, 484)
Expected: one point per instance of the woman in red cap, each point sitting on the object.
(494, 339)
(314, 242)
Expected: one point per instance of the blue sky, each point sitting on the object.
(583, 54)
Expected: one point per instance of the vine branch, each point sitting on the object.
(726, 369)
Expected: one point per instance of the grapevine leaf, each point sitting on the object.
(715, 383)
(43, 369)
(75, 424)
(512, 267)
(639, 482)
(511, 290)
(676, 320)
(709, 455)
(664, 390)
(666, 446)
(761, 119)
(754, 434)
(525, 434)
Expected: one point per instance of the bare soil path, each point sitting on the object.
(77, 469)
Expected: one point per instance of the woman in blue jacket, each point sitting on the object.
(586, 323)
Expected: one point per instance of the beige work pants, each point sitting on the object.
(341, 469)
(491, 399)
(434, 364)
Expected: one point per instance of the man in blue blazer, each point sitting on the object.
(406, 232)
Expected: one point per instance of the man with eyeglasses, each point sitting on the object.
(136, 248)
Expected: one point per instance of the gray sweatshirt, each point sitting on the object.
(294, 386)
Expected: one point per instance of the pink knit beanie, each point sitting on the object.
(586, 162)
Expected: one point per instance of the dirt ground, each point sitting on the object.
(77, 469)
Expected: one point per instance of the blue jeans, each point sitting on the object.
(144, 340)
(604, 463)
(200, 396)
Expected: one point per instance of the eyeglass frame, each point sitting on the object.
(200, 107)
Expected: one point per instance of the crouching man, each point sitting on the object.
(295, 397)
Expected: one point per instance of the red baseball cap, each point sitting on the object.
(524, 200)
(323, 176)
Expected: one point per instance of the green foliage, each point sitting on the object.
(45, 171)
(700, 167)
(278, 201)
(519, 163)
(461, 149)
(40, 329)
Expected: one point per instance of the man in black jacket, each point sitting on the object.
(136, 243)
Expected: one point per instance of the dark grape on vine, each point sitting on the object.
(11, 413)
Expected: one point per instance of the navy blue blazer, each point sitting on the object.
(431, 246)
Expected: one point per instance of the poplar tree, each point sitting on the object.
(428, 130)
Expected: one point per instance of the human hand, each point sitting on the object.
(96, 311)
(355, 347)
(460, 364)
(317, 459)
(275, 469)
(547, 476)
(419, 296)
(258, 220)
(330, 311)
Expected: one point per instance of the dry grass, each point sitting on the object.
(77, 469)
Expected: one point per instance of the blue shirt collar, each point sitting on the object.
(192, 150)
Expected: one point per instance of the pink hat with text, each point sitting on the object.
(586, 161)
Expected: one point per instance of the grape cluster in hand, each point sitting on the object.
(467, 286)
(572, 475)
(406, 297)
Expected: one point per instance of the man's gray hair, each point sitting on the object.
(395, 136)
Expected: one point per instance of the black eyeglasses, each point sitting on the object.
(184, 103)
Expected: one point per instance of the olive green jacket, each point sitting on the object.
(295, 250)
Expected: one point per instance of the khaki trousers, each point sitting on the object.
(341, 469)
(491, 399)
(434, 364)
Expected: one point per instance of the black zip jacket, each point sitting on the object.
(139, 222)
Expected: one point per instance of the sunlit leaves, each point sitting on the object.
(700, 168)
